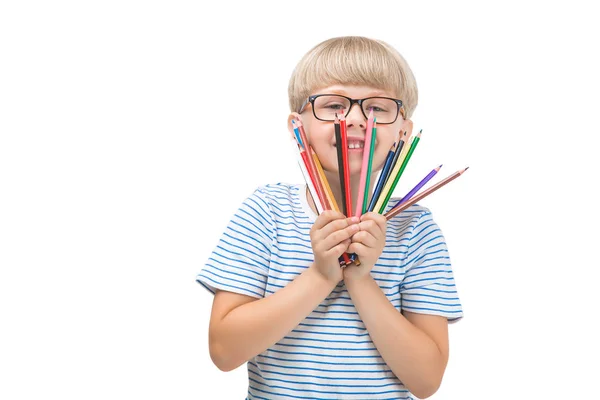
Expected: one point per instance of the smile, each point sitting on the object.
(354, 144)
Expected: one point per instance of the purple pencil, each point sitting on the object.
(419, 186)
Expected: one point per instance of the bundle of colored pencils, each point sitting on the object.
(395, 163)
(316, 181)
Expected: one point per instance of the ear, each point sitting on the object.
(407, 126)
(292, 116)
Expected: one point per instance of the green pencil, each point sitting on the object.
(369, 168)
(402, 167)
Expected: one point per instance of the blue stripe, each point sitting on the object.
(306, 398)
(300, 360)
(231, 279)
(250, 371)
(258, 231)
(324, 348)
(238, 289)
(335, 378)
(354, 371)
(255, 264)
(263, 257)
(432, 309)
(306, 390)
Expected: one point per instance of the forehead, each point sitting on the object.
(354, 91)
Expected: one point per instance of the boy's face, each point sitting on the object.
(321, 134)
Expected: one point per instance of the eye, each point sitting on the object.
(379, 105)
(334, 106)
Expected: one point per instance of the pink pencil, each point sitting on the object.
(365, 165)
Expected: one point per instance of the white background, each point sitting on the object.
(131, 131)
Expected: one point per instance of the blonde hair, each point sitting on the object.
(353, 60)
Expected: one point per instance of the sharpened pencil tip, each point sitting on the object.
(466, 168)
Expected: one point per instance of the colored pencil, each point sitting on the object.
(346, 186)
(340, 160)
(403, 140)
(369, 168)
(346, 165)
(397, 163)
(306, 175)
(329, 194)
(345, 259)
(397, 210)
(382, 176)
(297, 133)
(312, 169)
(362, 182)
(419, 185)
(413, 146)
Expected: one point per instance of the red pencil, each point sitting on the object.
(346, 187)
(312, 168)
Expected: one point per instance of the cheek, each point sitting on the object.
(317, 132)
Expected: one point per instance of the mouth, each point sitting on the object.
(357, 145)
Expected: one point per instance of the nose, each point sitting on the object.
(355, 117)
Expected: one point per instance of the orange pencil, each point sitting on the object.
(312, 169)
(324, 181)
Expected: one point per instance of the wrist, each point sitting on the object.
(322, 279)
(353, 280)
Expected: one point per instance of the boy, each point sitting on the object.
(306, 327)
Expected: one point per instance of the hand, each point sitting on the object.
(330, 238)
(368, 244)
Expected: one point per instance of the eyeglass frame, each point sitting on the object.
(311, 99)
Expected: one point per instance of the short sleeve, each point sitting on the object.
(428, 286)
(240, 261)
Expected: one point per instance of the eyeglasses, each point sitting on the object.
(325, 106)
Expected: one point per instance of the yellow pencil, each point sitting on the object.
(393, 174)
(328, 191)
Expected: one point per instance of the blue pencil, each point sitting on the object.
(297, 133)
(382, 178)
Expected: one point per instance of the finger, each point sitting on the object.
(371, 227)
(358, 248)
(338, 237)
(366, 238)
(338, 225)
(326, 217)
(378, 219)
(339, 249)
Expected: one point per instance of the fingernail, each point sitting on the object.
(354, 220)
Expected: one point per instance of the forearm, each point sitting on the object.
(252, 328)
(410, 353)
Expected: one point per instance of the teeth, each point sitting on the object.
(356, 145)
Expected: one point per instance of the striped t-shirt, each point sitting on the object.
(330, 354)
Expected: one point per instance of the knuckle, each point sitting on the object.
(338, 224)
(340, 235)
(327, 213)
